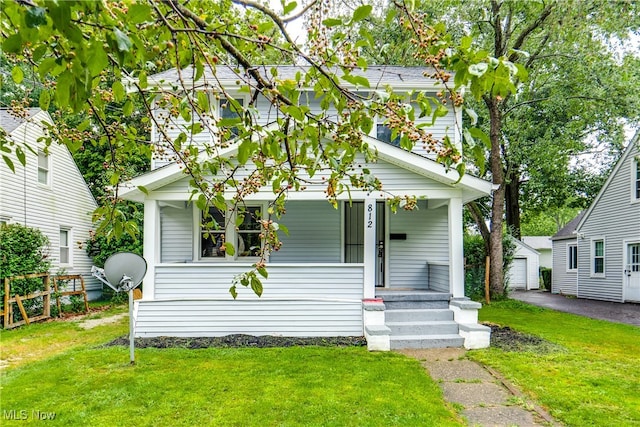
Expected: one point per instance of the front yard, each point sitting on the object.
(586, 373)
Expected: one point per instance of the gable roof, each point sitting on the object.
(635, 141)
(378, 76)
(569, 230)
(472, 187)
(10, 122)
(523, 245)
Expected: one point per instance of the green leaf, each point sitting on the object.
(21, 156)
(203, 101)
(478, 69)
(12, 44)
(44, 100)
(332, 22)
(361, 13)
(35, 17)
(356, 80)
(289, 8)
(142, 80)
(256, 285)
(244, 151)
(229, 249)
(233, 291)
(138, 13)
(9, 163)
(263, 272)
(124, 43)
(143, 189)
(17, 75)
(118, 90)
(472, 115)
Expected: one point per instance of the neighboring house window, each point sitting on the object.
(43, 167)
(65, 247)
(246, 232)
(598, 256)
(572, 257)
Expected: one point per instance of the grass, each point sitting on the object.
(89, 385)
(26, 344)
(593, 380)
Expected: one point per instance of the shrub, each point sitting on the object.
(474, 270)
(546, 274)
(23, 250)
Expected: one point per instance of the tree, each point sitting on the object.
(97, 54)
(571, 85)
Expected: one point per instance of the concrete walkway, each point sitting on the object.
(612, 311)
(482, 396)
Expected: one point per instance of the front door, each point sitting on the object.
(632, 272)
(354, 226)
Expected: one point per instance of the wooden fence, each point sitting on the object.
(45, 294)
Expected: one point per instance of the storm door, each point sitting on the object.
(632, 272)
(354, 226)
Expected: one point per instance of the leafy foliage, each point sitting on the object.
(475, 255)
(23, 250)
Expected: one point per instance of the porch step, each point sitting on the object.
(403, 329)
(418, 315)
(426, 341)
(415, 299)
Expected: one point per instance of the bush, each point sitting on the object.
(23, 250)
(547, 275)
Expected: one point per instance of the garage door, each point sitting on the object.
(518, 273)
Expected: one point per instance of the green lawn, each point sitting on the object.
(89, 385)
(593, 379)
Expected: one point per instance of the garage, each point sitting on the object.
(523, 273)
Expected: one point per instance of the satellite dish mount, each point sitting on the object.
(123, 272)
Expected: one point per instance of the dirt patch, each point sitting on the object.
(92, 323)
(505, 338)
(241, 341)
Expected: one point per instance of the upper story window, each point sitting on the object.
(230, 116)
(65, 247)
(44, 167)
(384, 133)
(598, 257)
(214, 232)
(572, 257)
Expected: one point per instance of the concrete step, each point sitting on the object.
(416, 305)
(426, 341)
(401, 329)
(418, 315)
(416, 295)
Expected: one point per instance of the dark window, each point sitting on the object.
(384, 134)
(572, 257)
(598, 256)
(212, 235)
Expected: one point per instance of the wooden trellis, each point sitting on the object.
(82, 291)
(19, 299)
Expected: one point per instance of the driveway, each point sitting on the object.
(612, 311)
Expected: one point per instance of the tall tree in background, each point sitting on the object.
(574, 87)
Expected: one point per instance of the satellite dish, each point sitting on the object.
(125, 270)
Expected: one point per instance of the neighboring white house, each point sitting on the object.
(524, 270)
(542, 244)
(50, 194)
(609, 234)
(564, 273)
(336, 265)
(603, 253)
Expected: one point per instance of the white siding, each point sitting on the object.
(298, 300)
(176, 234)
(524, 271)
(439, 277)
(615, 218)
(314, 233)
(427, 242)
(66, 202)
(563, 281)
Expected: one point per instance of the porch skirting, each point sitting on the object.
(212, 318)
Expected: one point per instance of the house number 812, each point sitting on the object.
(370, 210)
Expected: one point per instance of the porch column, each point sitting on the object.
(151, 246)
(456, 253)
(369, 248)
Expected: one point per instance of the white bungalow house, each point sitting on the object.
(50, 194)
(597, 256)
(354, 270)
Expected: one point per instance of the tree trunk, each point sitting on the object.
(477, 216)
(512, 203)
(496, 274)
